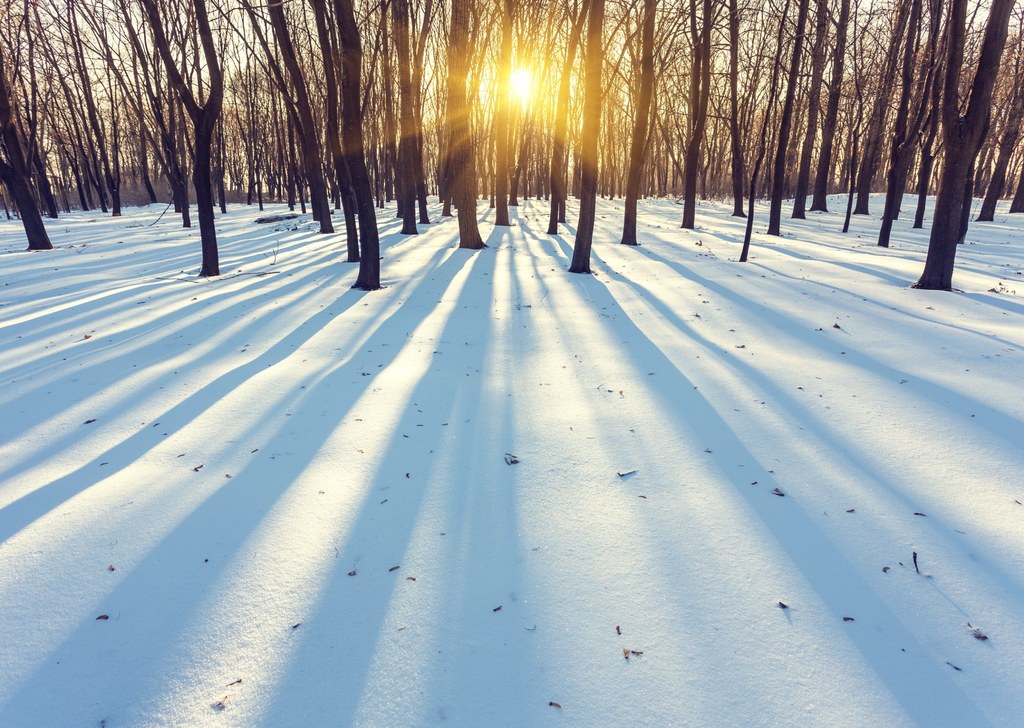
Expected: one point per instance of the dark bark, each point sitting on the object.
(762, 146)
(908, 126)
(1007, 144)
(406, 120)
(641, 121)
(962, 135)
(819, 199)
(204, 119)
(591, 131)
(14, 170)
(700, 93)
(462, 165)
(735, 136)
(501, 116)
(786, 122)
(368, 278)
(803, 176)
(309, 138)
(556, 169)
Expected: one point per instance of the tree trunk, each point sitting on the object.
(807, 149)
(556, 170)
(406, 121)
(779, 172)
(1007, 144)
(204, 120)
(962, 135)
(819, 199)
(15, 172)
(462, 166)
(309, 139)
(638, 144)
(700, 92)
(735, 137)
(501, 116)
(591, 132)
(368, 278)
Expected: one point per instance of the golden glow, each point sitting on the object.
(522, 84)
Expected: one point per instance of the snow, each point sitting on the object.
(231, 470)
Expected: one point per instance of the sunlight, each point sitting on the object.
(522, 83)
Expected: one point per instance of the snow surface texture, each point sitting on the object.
(681, 492)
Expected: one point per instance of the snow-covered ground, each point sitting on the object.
(682, 492)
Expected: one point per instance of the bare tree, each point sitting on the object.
(962, 135)
(589, 142)
(641, 120)
(204, 114)
(14, 170)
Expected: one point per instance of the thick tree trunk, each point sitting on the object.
(641, 122)
(591, 131)
(962, 136)
(368, 278)
(462, 166)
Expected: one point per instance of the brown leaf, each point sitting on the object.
(783, 605)
(847, 619)
(103, 616)
(778, 492)
(394, 568)
(618, 630)
(352, 573)
(497, 608)
(89, 422)
(553, 704)
(885, 569)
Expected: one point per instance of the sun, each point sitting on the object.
(521, 85)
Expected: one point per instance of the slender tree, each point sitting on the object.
(819, 199)
(589, 142)
(641, 119)
(786, 121)
(204, 118)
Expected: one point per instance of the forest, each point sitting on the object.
(511, 363)
(348, 106)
